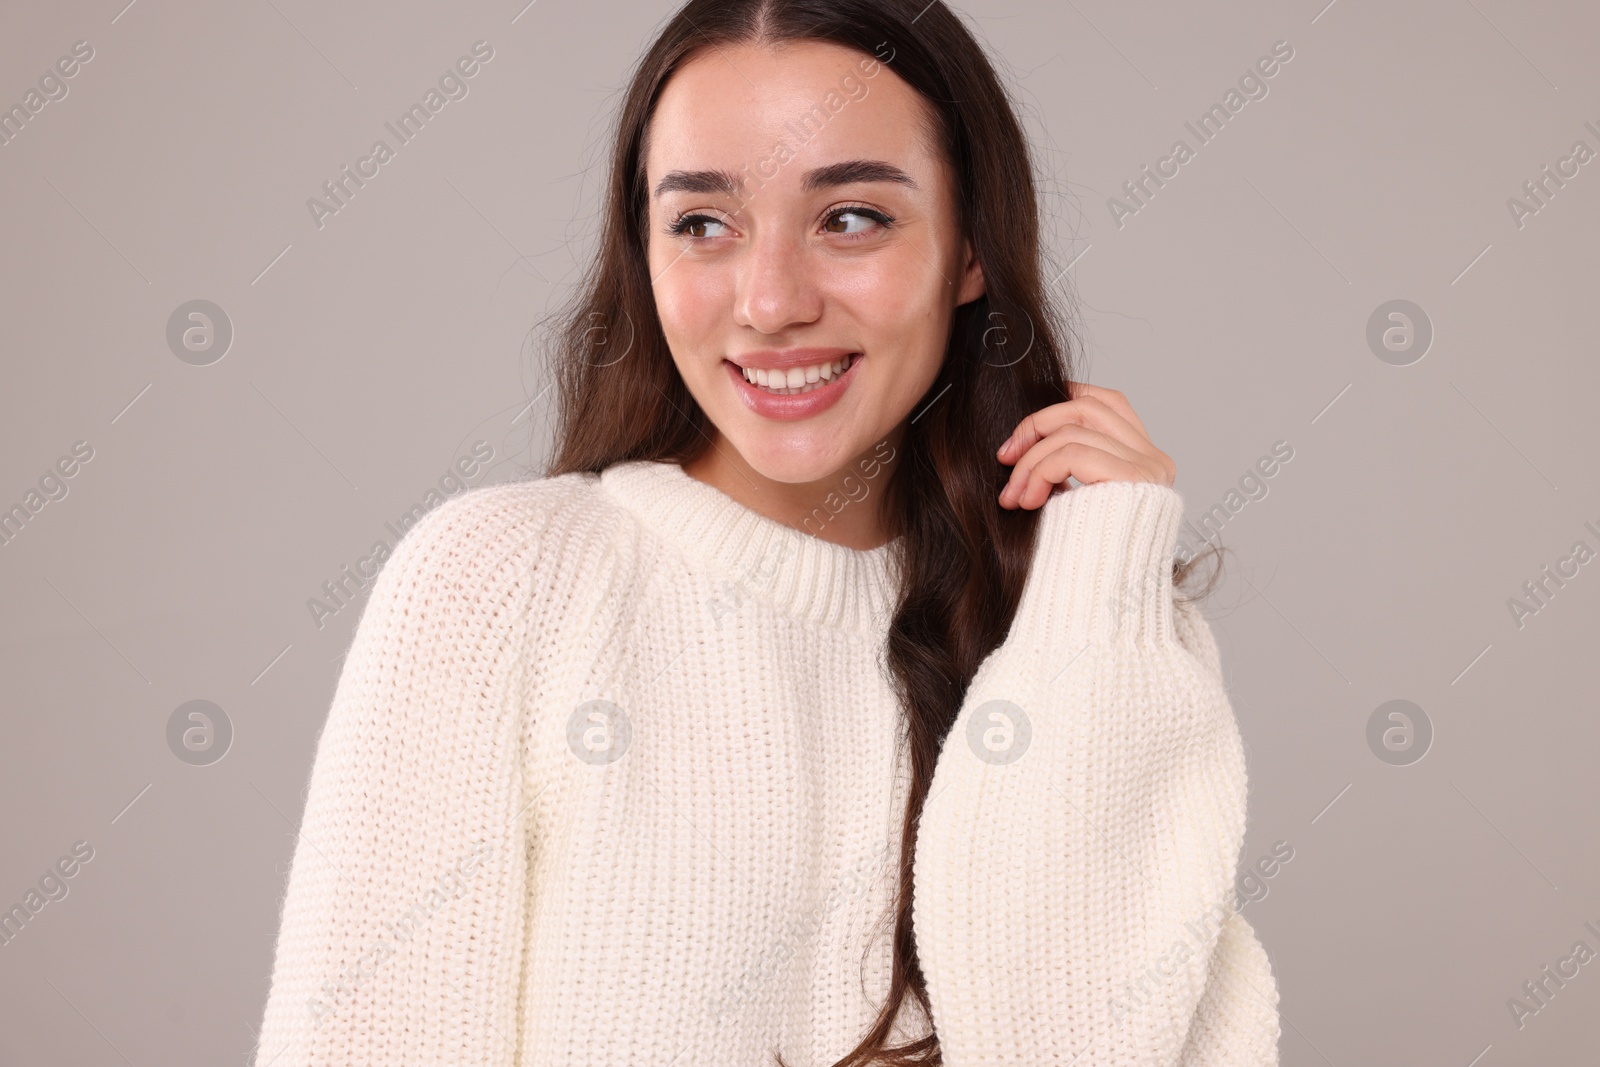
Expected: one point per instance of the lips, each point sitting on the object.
(797, 380)
(793, 406)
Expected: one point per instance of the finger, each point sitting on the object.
(1112, 398)
(1026, 471)
(1089, 411)
(1118, 418)
(1077, 459)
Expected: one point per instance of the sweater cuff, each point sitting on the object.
(1102, 568)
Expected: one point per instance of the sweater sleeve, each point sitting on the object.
(402, 927)
(1073, 892)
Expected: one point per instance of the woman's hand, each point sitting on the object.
(1094, 437)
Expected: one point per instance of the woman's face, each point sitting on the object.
(815, 232)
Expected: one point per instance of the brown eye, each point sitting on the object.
(841, 214)
(692, 226)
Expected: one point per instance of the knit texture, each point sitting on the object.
(613, 775)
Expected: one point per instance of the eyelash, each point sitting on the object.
(677, 226)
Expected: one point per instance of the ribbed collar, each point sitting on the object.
(803, 575)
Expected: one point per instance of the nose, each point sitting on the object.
(776, 287)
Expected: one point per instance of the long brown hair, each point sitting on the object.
(963, 559)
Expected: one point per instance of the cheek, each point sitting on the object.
(690, 308)
(899, 303)
(903, 316)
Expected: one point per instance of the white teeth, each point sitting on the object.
(797, 380)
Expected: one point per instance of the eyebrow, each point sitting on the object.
(842, 173)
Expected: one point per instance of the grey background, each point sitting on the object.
(369, 354)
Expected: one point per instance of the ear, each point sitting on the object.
(971, 284)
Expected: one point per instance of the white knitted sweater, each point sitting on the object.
(493, 871)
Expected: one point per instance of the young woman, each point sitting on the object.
(801, 713)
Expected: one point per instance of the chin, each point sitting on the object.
(794, 458)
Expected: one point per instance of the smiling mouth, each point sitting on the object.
(808, 378)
